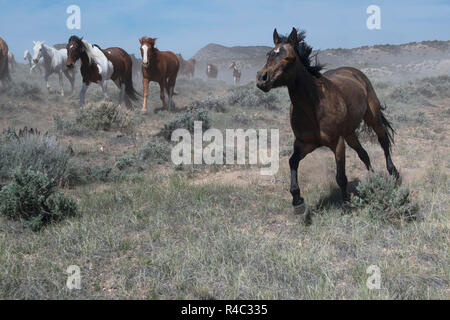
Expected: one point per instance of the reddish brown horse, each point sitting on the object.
(211, 71)
(98, 65)
(158, 66)
(4, 68)
(326, 109)
(187, 67)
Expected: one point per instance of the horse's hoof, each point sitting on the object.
(300, 209)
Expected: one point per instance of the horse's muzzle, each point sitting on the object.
(70, 65)
(145, 64)
(35, 60)
(262, 81)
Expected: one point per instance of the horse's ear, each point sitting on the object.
(34, 42)
(276, 38)
(293, 37)
(141, 40)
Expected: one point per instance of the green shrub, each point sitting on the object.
(186, 121)
(106, 116)
(251, 96)
(382, 199)
(99, 173)
(32, 196)
(154, 152)
(125, 162)
(216, 103)
(23, 89)
(68, 127)
(29, 148)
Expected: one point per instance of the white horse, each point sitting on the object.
(54, 61)
(28, 57)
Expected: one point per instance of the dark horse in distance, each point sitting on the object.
(98, 65)
(158, 66)
(326, 109)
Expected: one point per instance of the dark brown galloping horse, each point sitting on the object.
(98, 65)
(326, 109)
(158, 66)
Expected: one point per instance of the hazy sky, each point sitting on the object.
(186, 26)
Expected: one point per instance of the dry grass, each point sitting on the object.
(227, 232)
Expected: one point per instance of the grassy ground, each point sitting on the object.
(226, 232)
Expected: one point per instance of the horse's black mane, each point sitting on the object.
(75, 39)
(79, 42)
(304, 53)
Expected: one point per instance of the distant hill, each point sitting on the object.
(218, 52)
(427, 58)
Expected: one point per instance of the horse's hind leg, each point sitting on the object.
(353, 142)
(341, 178)
(376, 120)
(171, 87)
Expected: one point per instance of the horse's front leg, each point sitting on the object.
(61, 85)
(162, 95)
(104, 87)
(300, 151)
(145, 82)
(46, 81)
(83, 93)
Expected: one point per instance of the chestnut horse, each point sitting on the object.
(326, 109)
(158, 66)
(4, 68)
(211, 71)
(187, 67)
(98, 65)
(236, 72)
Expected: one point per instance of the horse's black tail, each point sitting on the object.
(129, 89)
(390, 132)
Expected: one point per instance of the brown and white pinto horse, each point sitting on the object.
(4, 68)
(158, 66)
(211, 71)
(98, 65)
(236, 72)
(187, 67)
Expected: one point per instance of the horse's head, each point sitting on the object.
(38, 50)
(25, 54)
(147, 49)
(280, 62)
(290, 58)
(75, 48)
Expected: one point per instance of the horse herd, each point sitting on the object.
(98, 65)
(326, 108)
